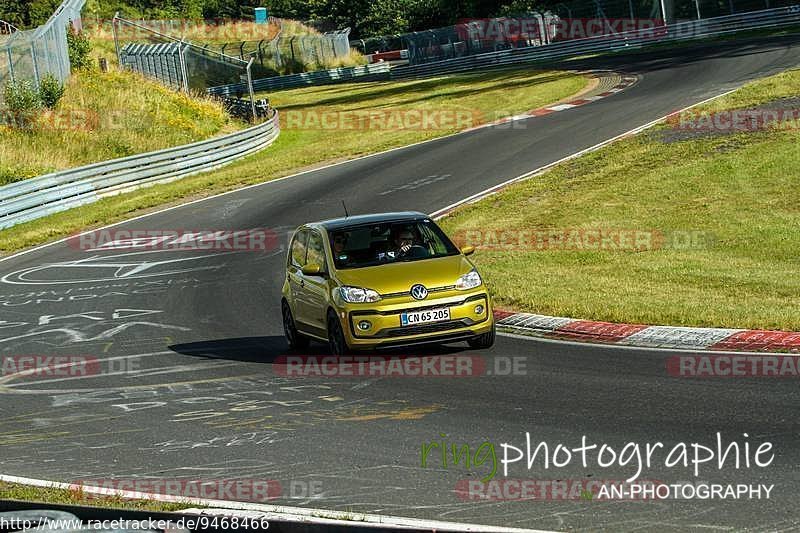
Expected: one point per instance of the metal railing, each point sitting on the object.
(37, 197)
(181, 64)
(374, 72)
(6, 28)
(686, 31)
(30, 54)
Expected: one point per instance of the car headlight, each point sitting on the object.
(356, 295)
(469, 280)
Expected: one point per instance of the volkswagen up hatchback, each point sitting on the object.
(373, 281)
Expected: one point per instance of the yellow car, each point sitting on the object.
(374, 281)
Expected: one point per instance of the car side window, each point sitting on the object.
(316, 252)
(297, 256)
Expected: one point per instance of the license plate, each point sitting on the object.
(421, 317)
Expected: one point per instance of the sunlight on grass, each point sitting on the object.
(494, 94)
(106, 116)
(738, 191)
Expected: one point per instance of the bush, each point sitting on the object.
(78, 47)
(22, 101)
(50, 91)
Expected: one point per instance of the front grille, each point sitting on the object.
(431, 290)
(424, 328)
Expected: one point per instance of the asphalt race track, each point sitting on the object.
(187, 340)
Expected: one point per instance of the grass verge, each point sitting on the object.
(104, 116)
(735, 192)
(484, 96)
(57, 496)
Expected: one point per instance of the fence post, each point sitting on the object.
(250, 90)
(35, 63)
(10, 64)
(184, 70)
(114, 22)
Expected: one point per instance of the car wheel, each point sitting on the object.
(482, 342)
(296, 340)
(336, 341)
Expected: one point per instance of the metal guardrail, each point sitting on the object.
(685, 31)
(376, 71)
(43, 195)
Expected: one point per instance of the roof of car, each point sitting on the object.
(344, 222)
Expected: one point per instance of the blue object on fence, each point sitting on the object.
(261, 15)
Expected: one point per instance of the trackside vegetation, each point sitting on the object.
(456, 102)
(51, 495)
(716, 214)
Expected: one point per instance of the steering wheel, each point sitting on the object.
(417, 251)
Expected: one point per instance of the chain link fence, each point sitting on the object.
(30, 54)
(565, 21)
(291, 50)
(185, 66)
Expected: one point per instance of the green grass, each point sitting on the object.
(47, 495)
(498, 93)
(105, 116)
(740, 190)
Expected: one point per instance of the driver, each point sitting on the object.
(403, 241)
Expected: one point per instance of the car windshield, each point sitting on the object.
(389, 242)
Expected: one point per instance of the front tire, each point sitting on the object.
(483, 342)
(296, 340)
(337, 344)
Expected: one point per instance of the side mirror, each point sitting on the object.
(467, 250)
(312, 269)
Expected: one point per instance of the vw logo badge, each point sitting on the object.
(419, 292)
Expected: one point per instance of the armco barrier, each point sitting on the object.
(37, 197)
(685, 31)
(376, 71)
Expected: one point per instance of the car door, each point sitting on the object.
(315, 287)
(294, 274)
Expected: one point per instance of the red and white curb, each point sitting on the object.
(627, 81)
(638, 335)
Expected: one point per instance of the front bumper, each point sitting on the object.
(386, 330)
